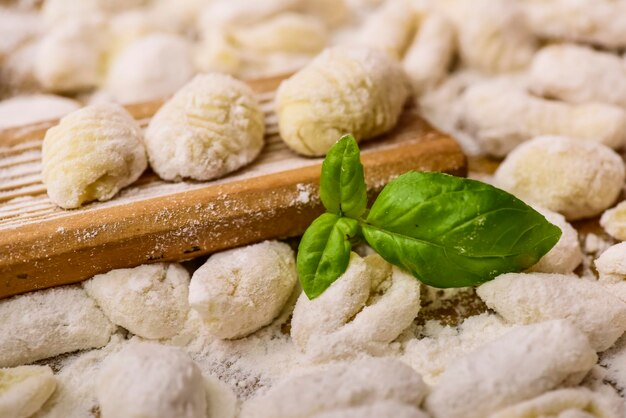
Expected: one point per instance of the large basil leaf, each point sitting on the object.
(453, 232)
(324, 252)
(342, 184)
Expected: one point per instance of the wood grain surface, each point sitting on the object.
(42, 245)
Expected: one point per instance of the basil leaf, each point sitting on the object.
(342, 184)
(454, 232)
(324, 252)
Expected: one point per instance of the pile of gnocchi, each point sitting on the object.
(538, 86)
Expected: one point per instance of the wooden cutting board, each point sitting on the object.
(42, 245)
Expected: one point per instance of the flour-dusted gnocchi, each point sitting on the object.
(50, 322)
(377, 410)
(343, 385)
(149, 300)
(579, 74)
(24, 389)
(500, 114)
(152, 67)
(343, 90)
(286, 32)
(520, 365)
(150, 381)
(238, 291)
(427, 60)
(529, 298)
(566, 255)
(72, 56)
(596, 22)
(216, 53)
(211, 127)
(564, 403)
(378, 302)
(578, 179)
(493, 35)
(614, 221)
(22, 110)
(91, 154)
(390, 28)
(611, 266)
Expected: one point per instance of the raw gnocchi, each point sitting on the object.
(211, 127)
(541, 357)
(343, 90)
(149, 300)
(566, 255)
(579, 74)
(611, 266)
(378, 302)
(238, 291)
(578, 179)
(151, 381)
(344, 385)
(91, 154)
(24, 389)
(152, 67)
(501, 115)
(34, 327)
(22, 110)
(529, 298)
(614, 221)
(390, 28)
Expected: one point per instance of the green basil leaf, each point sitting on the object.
(342, 184)
(454, 232)
(324, 252)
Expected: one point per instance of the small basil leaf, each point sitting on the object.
(324, 252)
(454, 232)
(342, 184)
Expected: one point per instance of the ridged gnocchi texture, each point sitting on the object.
(500, 114)
(152, 67)
(211, 127)
(72, 56)
(91, 154)
(579, 74)
(151, 381)
(286, 32)
(343, 90)
(390, 28)
(529, 298)
(520, 365)
(359, 383)
(430, 54)
(493, 35)
(24, 389)
(28, 334)
(238, 291)
(596, 22)
(614, 221)
(149, 300)
(566, 255)
(563, 403)
(578, 179)
(378, 302)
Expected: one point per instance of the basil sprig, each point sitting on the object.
(447, 231)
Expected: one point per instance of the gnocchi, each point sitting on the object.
(530, 298)
(24, 389)
(428, 57)
(578, 179)
(378, 302)
(614, 221)
(611, 267)
(501, 115)
(149, 300)
(238, 291)
(211, 127)
(152, 67)
(566, 255)
(343, 90)
(579, 74)
(91, 154)
(150, 381)
(542, 357)
(34, 327)
(22, 110)
(390, 28)
(345, 385)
